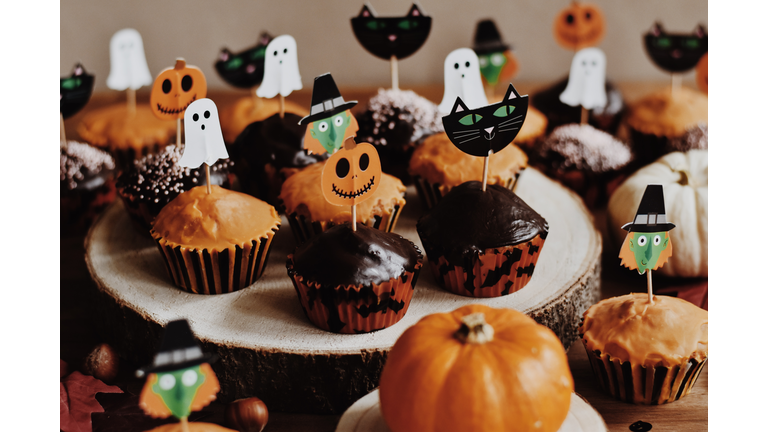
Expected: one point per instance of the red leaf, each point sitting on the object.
(78, 401)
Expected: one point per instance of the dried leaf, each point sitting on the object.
(78, 400)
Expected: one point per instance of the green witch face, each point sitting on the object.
(491, 66)
(332, 131)
(178, 388)
(650, 250)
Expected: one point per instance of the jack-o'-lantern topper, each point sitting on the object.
(180, 379)
(675, 52)
(351, 176)
(391, 38)
(702, 74)
(580, 25)
(497, 63)
(648, 246)
(74, 93)
(175, 88)
(329, 122)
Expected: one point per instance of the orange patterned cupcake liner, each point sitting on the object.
(431, 193)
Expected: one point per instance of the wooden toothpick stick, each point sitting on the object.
(208, 178)
(650, 287)
(63, 131)
(584, 115)
(178, 133)
(354, 217)
(485, 169)
(131, 101)
(282, 106)
(184, 424)
(393, 70)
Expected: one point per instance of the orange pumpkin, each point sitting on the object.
(175, 88)
(476, 369)
(352, 174)
(580, 25)
(702, 74)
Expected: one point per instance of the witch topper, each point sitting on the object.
(586, 81)
(330, 121)
(127, 63)
(497, 63)
(461, 71)
(648, 245)
(281, 68)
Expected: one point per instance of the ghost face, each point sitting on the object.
(462, 79)
(281, 68)
(586, 82)
(205, 142)
(331, 132)
(128, 65)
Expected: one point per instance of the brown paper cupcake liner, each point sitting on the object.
(643, 385)
(492, 273)
(355, 309)
(203, 272)
(430, 193)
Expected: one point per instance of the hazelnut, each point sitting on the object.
(247, 415)
(102, 363)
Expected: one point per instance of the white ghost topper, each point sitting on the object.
(281, 68)
(462, 79)
(586, 82)
(205, 142)
(127, 63)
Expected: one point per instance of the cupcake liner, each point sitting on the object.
(643, 385)
(501, 271)
(431, 193)
(203, 272)
(79, 208)
(355, 309)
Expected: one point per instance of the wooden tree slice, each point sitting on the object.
(269, 349)
(365, 416)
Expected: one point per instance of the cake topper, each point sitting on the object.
(580, 25)
(702, 73)
(281, 70)
(245, 69)
(586, 82)
(486, 130)
(127, 65)
(180, 379)
(391, 38)
(497, 63)
(175, 88)
(461, 71)
(675, 52)
(351, 176)
(648, 246)
(329, 122)
(74, 93)
(204, 141)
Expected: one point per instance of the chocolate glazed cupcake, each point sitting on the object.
(482, 244)
(559, 113)
(86, 184)
(268, 152)
(355, 281)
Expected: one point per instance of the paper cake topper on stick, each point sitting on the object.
(127, 63)
(391, 38)
(648, 246)
(281, 68)
(175, 88)
(204, 141)
(586, 82)
(329, 122)
(497, 63)
(675, 52)
(579, 26)
(74, 93)
(245, 69)
(180, 379)
(461, 71)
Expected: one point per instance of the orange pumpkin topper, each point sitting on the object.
(175, 88)
(352, 174)
(580, 25)
(702, 74)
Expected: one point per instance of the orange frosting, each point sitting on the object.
(534, 126)
(662, 115)
(301, 193)
(236, 117)
(437, 160)
(666, 333)
(216, 221)
(113, 128)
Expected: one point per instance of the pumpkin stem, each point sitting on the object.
(474, 329)
(685, 177)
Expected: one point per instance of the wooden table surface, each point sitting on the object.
(79, 334)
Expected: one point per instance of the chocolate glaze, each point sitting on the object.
(468, 221)
(340, 256)
(548, 102)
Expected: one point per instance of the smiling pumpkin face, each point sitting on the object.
(579, 26)
(175, 88)
(352, 174)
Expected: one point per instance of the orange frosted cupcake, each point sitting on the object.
(645, 353)
(534, 128)
(438, 166)
(309, 213)
(215, 243)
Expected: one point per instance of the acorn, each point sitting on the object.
(247, 415)
(102, 363)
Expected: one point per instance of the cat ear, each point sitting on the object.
(657, 29)
(511, 93)
(459, 106)
(699, 31)
(224, 55)
(367, 12)
(265, 38)
(415, 11)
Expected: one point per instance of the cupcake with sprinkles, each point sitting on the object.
(86, 183)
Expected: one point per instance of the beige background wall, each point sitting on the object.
(198, 29)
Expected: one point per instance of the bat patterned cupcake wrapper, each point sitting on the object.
(432, 193)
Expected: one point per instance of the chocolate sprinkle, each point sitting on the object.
(695, 137)
(583, 147)
(389, 109)
(84, 166)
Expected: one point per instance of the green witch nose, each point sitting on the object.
(648, 253)
(333, 134)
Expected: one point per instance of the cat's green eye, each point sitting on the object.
(71, 83)
(375, 25)
(503, 111)
(663, 43)
(692, 43)
(405, 24)
(234, 63)
(468, 121)
(259, 53)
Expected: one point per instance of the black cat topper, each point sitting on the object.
(75, 91)
(391, 36)
(675, 52)
(489, 128)
(244, 69)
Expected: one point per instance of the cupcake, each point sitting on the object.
(437, 166)
(86, 184)
(355, 281)
(268, 152)
(695, 138)
(395, 122)
(246, 110)
(156, 179)
(482, 243)
(309, 213)
(558, 113)
(534, 129)
(661, 117)
(646, 353)
(215, 243)
(587, 160)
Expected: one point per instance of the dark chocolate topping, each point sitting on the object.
(695, 137)
(558, 113)
(84, 167)
(397, 118)
(582, 147)
(340, 256)
(468, 221)
(277, 141)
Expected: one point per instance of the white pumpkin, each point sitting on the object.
(685, 180)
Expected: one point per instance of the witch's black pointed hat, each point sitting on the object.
(487, 38)
(326, 100)
(651, 216)
(178, 350)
